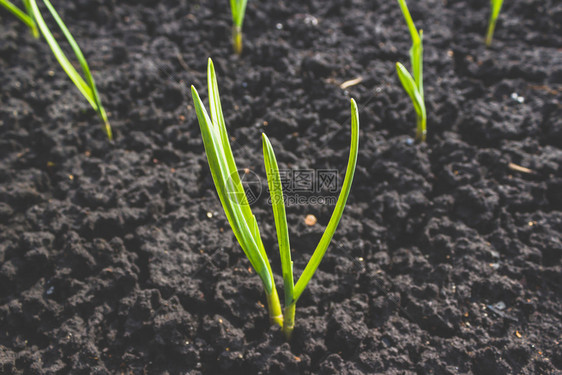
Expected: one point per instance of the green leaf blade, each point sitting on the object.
(411, 27)
(219, 126)
(410, 87)
(416, 59)
(318, 254)
(495, 6)
(238, 9)
(25, 18)
(244, 227)
(61, 57)
(414, 85)
(86, 87)
(279, 214)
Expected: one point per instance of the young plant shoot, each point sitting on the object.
(496, 6)
(21, 15)
(414, 85)
(87, 87)
(235, 204)
(35, 21)
(238, 8)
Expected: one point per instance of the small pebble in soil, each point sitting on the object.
(310, 220)
(50, 291)
(209, 215)
(279, 26)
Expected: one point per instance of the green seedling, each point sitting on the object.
(414, 85)
(25, 18)
(235, 204)
(238, 8)
(496, 6)
(86, 86)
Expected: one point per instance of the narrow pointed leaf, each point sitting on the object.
(411, 89)
(85, 68)
(220, 129)
(416, 59)
(86, 87)
(278, 205)
(61, 57)
(238, 9)
(318, 254)
(409, 22)
(229, 192)
(496, 7)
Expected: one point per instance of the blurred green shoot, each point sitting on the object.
(35, 21)
(495, 6)
(413, 85)
(25, 18)
(87, 87)
(238, 212)
(238, 8)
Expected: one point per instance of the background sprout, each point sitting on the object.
(238, 212)
(238, 8)
(25, 18)
(414, 85)
(87, 87)
(495, 6)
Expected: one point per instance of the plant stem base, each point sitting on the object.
(237, 40)
(289, 321)
(421, 131)
(274, 307)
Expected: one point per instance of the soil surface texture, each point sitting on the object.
(118, 259)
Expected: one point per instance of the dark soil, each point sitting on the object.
(117, 258)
